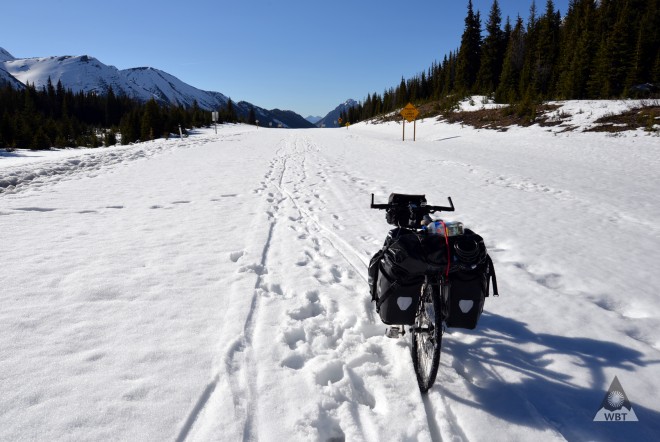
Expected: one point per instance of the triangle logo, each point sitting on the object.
(615, 406)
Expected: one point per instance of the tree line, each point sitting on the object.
(602, 49)
(53, 116)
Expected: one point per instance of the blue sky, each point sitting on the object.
(299, 55)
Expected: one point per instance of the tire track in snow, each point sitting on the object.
(245, 398)
(244, 395)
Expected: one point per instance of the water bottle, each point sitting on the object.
(454, 228)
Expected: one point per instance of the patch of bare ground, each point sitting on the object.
(526, 114)
(647, 118)
(501, 119)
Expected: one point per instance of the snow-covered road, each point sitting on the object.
(214, 288)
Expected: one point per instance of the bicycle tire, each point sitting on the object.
(427, 337)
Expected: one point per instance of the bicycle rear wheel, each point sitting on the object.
(427, 336)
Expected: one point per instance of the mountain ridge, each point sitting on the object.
(84, 73)
(331, 119)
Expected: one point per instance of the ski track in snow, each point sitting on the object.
(300, 353)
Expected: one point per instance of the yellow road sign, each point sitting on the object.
(409, 112)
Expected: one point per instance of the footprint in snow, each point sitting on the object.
(309, 310)
(235, 256)
(295, 362)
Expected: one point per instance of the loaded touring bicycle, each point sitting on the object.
(429, 275)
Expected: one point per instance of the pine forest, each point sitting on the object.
(605, 49)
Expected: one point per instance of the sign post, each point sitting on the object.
(214, 116)
(409, 113)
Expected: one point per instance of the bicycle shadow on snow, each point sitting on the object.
(545, 397)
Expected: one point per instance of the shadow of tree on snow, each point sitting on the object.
(546, 396)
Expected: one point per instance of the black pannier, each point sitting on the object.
(466, 300)
(469, 278)
(398, 294)
(396, 273)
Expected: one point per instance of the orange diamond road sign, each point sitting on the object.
(409, 112)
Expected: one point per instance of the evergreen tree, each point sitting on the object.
(449, 74)
(402, 94)
(469, 54)
(151, 124)
(508, 89)
(578, 44)
(606, 17)
(229, 113)
(110, 138)
(506, 36)
(546, 52)
(531, 37)
(619, 52)
(40, 140)
(647, 46)
(492, 52)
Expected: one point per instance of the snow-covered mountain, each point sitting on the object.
(312, 119)
(331, 118)
(87, 74)
(149, 82)
(5, 56)
(80, 74)
(6, 77)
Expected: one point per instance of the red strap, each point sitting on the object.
(444, 227)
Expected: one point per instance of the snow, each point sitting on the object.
(166, 87)
(477, 102)
(80, 73)
(88, 74)
(214, 288)
(583, 113)
(5, 55)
